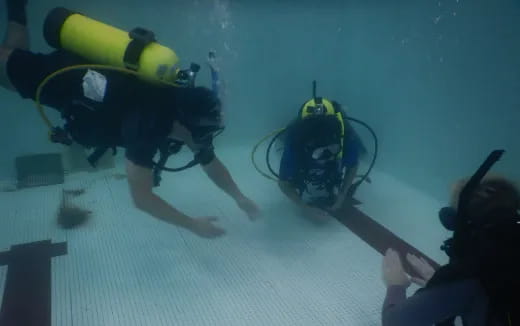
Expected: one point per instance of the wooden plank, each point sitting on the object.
(377, 236)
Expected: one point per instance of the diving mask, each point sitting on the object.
(326, 153)
(186, 77)
(204, 135)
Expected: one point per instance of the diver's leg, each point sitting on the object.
(16, 37)
(4, 80)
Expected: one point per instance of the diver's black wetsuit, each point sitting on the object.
(133, 113)
(465, 298)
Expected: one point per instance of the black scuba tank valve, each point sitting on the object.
(186, 77)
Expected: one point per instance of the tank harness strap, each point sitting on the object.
(140, 40)
(164, 152)
(167, 148)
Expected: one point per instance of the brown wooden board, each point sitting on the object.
(376, 235)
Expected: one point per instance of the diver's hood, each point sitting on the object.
(200, 110)
(457, 219)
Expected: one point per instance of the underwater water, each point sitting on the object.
(436, 80)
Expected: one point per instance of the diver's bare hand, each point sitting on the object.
(393, 271)
(204, 227)
(316, 214)
(422, 267)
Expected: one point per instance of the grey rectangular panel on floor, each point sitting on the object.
(39, 170)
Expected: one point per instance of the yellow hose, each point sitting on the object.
(255, 148)
(78, 67)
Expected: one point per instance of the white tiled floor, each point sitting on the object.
(125, 268)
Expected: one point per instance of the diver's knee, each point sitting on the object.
(17, 36)
(4, 78)
(5, 52)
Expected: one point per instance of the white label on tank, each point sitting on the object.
(94, 86)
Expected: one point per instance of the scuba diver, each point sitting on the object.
(134, 105)
(321, 154)
(481, 282)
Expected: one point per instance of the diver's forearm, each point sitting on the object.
(345, 187)
(220, 175)
(347, 183)
(160, 209)
(349, 178)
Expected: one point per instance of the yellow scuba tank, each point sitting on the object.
(104, 44)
